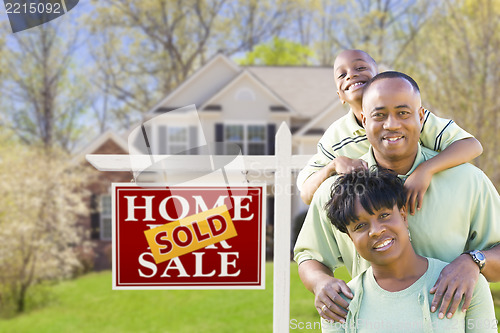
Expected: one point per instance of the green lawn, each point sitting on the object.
(88, 304)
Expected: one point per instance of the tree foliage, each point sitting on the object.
(166, 40)
(279, 52)
(456, 63)
(46, 94)
(42, 198)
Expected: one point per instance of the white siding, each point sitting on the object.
(204, 85)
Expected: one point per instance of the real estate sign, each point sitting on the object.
(188, 237)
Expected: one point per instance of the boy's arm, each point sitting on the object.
(341, 164)
(459, 152)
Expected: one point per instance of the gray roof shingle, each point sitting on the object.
(309, 90)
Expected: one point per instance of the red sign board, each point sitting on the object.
(178, 222)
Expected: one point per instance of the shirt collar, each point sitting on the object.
(370, 159)
(352, 124)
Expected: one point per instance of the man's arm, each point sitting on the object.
(458, 280)
(491, 270)
(319, 280)
(341, 164)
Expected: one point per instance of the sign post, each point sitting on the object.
(282, 226)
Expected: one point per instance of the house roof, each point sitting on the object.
(97, 143)
(323, 120)
(308, 90)
(218, 58)
(284, 106)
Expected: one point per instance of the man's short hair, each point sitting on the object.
(375, 188)
(391, 75)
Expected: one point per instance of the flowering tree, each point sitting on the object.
(42, 197)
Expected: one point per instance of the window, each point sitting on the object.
(105, 223)
(245, 95)
(235, 134)
(177, 140)
(256, 140)
(172, 139)
(251, 138)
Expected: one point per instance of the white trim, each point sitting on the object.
(193, 77)
(247, 74)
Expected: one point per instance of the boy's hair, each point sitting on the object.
(361, 51)
(375, 188)
(391, 75)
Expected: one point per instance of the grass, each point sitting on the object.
(88, 304)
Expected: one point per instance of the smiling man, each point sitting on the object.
(461, 211)
(345, 141)
(392, 119)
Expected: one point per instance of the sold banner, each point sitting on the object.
(188, 237)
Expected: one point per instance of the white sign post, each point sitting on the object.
(282, 226)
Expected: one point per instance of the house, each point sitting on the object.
(241, 105)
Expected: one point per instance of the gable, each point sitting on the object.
(202, 84)
(322, 121)
(308, 90)
(246, 98)
(109, 147)
(106, 143)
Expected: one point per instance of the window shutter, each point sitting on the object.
(193, 140)
(271, 133)
(219, 137)
(162, 139)
(94, 218)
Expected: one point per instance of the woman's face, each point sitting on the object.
(380, 238)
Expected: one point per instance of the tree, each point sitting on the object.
(145, 49)
(279, 52)
(383, 28)
(42, 198)
(46, 94)
(456, 63)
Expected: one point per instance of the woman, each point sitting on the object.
(393, 294)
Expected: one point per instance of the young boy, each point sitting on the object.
(345, 140)
(393, 294)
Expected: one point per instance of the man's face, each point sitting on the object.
(352, 69)
(393, 117)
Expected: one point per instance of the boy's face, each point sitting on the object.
(382, 237)
(393, 117)
(352, 69)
